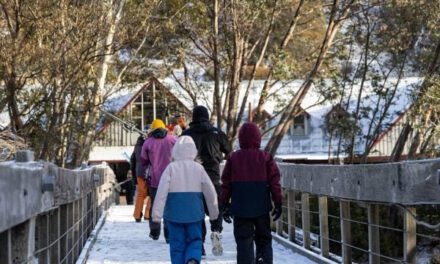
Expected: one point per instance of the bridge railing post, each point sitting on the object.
(291, 214)
(5, 249)
(55, 228)
(373, 234)
(323, 226)
(345, 217)
(305, 209)
(23, 242)
(409, 235)
(63, 229)
(42, 237)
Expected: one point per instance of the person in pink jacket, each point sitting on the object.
(155, 157)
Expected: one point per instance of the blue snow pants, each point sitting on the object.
(185, 241)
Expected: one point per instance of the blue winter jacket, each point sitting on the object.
(182, 187)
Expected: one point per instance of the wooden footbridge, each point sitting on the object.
(381, 213)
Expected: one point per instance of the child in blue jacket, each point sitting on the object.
(179, 199)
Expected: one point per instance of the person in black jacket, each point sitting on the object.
(212, 145)
(142, 188)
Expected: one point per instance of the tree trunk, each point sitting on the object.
(288, 115)
(254, 71)
(113, 18)
(217, 100)
(258, 118)
(432, 71)
(396, 154)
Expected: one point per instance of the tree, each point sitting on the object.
(58, 58)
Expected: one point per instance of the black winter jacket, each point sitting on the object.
(211, 144)
(135, 162)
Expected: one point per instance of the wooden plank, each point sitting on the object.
(409, 235)
(382, 183)
(323, 226)
(5, 249)
(345, 231)
(291, 214)
(54, 226)
(23, 241)
(373, 234)
(305, 208)
(42, 237)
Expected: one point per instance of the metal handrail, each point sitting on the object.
(126, 125)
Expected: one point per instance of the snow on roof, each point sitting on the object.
(374, 95)
(115, 101)
(314, 102)
(372, 108)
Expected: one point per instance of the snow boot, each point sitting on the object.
(138, 220)
(217, 249)
(154, 237)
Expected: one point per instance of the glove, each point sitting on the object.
(226, 211)
(277, 212)
(216, 225)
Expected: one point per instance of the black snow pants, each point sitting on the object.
(250, 230)
(219, 220)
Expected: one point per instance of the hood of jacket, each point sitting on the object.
(159, 133)
(200, 113)
(184, 149)
(249, 136)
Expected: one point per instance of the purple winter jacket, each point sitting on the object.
(156, 154)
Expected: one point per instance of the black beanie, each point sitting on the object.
(200, 113)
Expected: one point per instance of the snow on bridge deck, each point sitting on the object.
(121, 240)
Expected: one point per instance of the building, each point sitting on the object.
(317, 135)
(125, 114)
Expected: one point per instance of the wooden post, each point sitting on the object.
(63, 229)
(69, 258)
(345, 231)
(5, 249)
(409, 235)
(42, 237)
(54, 226)
(23, 242)
(291, 214)
(373, 234)
(305, 207)
(76, 234)
(323, 226)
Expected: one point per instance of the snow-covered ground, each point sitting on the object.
(121, 240)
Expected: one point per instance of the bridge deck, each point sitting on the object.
(121, 240)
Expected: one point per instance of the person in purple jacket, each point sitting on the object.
(250, 183)
(155, 157)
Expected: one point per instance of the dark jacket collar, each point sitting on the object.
(159, 133)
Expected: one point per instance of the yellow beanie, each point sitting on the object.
(157, 123)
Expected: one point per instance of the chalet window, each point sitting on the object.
(300, 126)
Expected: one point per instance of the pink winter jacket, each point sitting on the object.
(156, 155)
